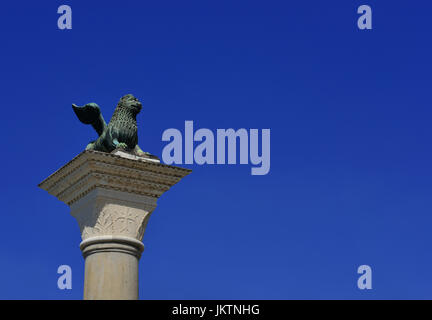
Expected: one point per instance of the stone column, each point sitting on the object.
(112, 196)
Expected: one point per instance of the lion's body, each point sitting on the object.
(121, 131)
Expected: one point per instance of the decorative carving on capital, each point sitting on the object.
(113, 213)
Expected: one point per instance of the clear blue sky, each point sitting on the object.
(351, 158)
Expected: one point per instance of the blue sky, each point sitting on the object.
(349, 113)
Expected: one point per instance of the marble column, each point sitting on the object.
(112, 196)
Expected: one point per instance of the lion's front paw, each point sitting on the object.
(122, 145)
(139, 152)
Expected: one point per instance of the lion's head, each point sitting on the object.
(130, 102)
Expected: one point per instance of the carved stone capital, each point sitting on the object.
(104, 212)
(112, 194)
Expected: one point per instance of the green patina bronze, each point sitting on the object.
(121, 131)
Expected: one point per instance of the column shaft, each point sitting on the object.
(111, 268)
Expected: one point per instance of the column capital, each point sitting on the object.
(112, 194)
